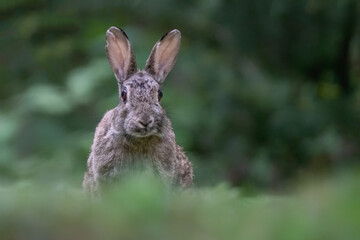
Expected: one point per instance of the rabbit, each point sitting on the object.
(137, 130)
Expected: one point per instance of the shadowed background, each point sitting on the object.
(263, 91)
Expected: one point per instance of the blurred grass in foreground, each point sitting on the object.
(141, 208)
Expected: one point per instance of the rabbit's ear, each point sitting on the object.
(120, 54)
(163, 55)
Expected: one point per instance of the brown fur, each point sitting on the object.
(137, 131)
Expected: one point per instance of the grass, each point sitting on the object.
(141, 208)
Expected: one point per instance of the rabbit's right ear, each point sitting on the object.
(163, 55)
(120, 54)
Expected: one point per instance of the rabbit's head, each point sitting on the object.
(140, 91)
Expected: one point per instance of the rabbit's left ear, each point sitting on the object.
(120, 54)
(163, 55)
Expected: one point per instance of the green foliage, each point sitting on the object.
(262, 90)
(140, 207)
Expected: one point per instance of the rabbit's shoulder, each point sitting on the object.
(106, 124)
(185, 170)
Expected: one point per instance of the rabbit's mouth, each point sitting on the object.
(144, 132)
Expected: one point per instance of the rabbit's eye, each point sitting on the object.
(160, 94)
(124, 94)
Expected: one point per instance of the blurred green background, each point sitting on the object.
(263, 91)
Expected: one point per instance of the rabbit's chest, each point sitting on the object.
(137, 155)
(130, 162)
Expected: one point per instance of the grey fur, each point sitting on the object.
(137, 131)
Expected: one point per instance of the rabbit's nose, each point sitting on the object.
(144, 122)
